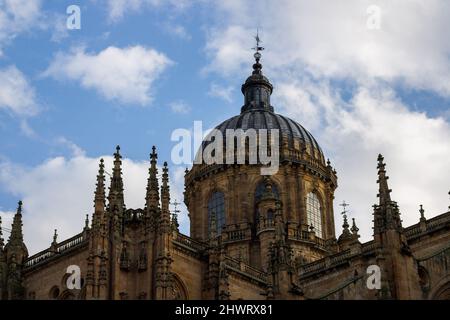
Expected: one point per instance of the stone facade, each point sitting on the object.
(251, 237)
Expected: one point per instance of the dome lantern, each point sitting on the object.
(257, 88)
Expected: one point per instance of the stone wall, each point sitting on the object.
(45, 281)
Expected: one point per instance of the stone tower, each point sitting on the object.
(245, 203)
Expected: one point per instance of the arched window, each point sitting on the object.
(216, 204)
(313, 213)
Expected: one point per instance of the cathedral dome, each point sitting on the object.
(248, 154)
(258, 113)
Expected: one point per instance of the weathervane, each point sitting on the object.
(258, 47)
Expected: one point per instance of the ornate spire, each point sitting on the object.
(86, 223)
(16, 247)
(165, 199)
(387, 213)
(55, 236)
(345, 226)
(422, 213)
(354, 228)
(54, 244)
(152, 196)
(116, 202)
(116, 188)
(384, 192)
(257, 88)
(16, 237)
(100, 189)
(99, 198)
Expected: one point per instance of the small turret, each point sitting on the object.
(54, 245)
(386, 213)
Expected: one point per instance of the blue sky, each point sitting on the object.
(359, 91)
(95, 123)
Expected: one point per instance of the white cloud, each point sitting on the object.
(16, 94)
(228, 49)
(7, 219)
(118, 8)
(75, 149)
(58, 193)
(415, 147)
(312, 48)
(58, 26)
(27, 130)
(17, 16)
(178, 31)
(180, 107)
(221, 91)
(125, 75)
(331, 39)
(375, 121)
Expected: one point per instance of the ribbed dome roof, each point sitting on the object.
(264, 119)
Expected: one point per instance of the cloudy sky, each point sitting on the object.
(365, 77)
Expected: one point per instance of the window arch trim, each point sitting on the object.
(314, 212)
(219, 207)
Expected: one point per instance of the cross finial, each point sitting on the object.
(344, 205)
(175, 205)
(344, 214)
